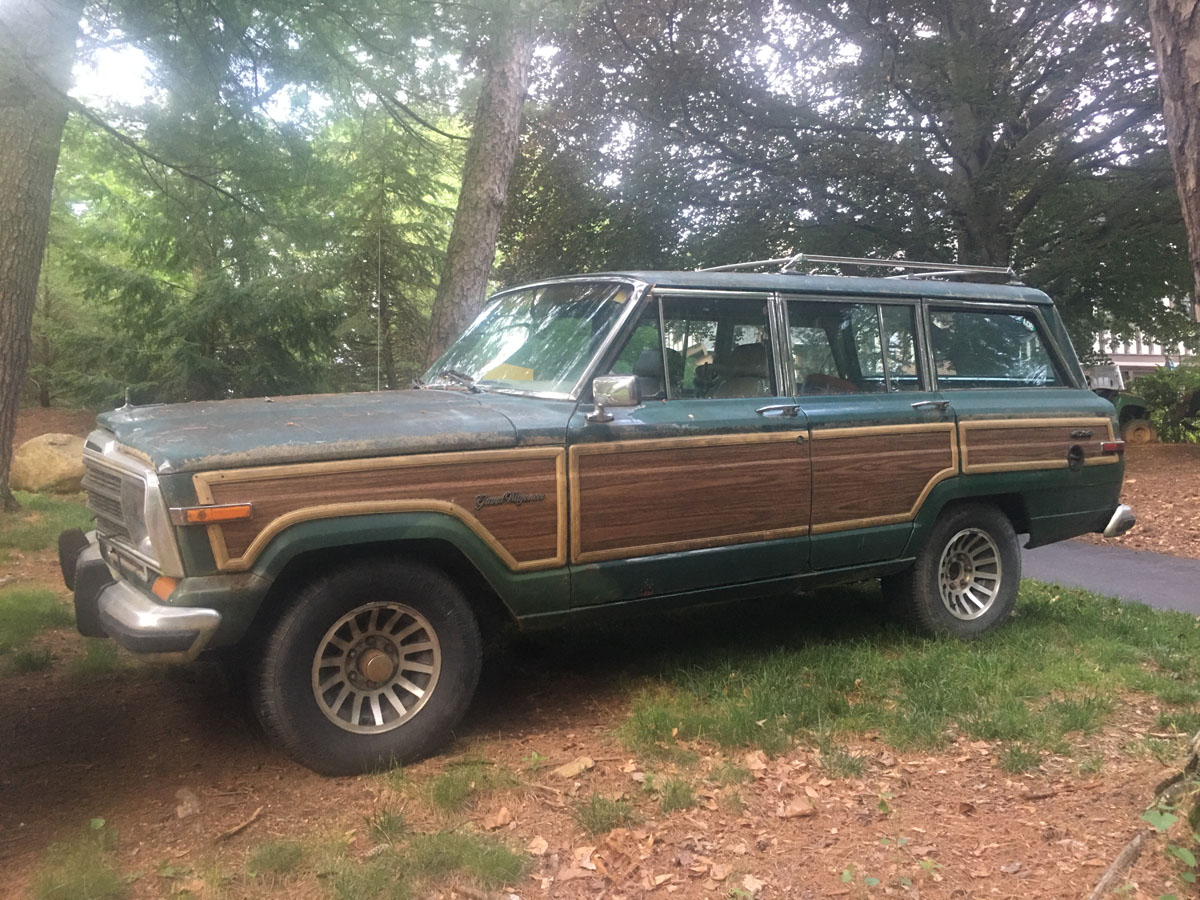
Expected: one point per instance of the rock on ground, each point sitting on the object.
(49, 463)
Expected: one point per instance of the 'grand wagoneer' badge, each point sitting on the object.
(516, 498)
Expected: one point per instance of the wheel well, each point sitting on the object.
(1129, 413)
(1012, 505)
(305, 567)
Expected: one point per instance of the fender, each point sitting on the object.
(523, 593)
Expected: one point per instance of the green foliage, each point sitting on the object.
(1173, 396)
(932, 129)
(24, 612)
(81, 869)
(483, 859)
(275, 859)
(600, 815)
(837, 760)
(462, 783)
(101, 658)
(1031, 683)
(729, 773)
(40, 520)
(674, 794)
(1083, 714)
(283, 228)
(1017, 758)
(31, 659)
(424, 861)
(386, 827)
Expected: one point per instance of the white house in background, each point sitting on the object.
(1139, 355)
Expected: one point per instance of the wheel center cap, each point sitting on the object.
(376, 666)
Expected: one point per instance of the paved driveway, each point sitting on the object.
(1156, 579)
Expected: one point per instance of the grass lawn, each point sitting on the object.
(817, 672)
(1050, 672)
(41, 519)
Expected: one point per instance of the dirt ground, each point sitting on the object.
(1162, 484)
(951, 824)
(35, 420)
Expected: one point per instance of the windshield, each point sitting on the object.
(538, 340)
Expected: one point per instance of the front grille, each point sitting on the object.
(103, 488)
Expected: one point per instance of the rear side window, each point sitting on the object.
(852, 348)
(989, 349)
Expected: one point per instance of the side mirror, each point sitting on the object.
(613, 390)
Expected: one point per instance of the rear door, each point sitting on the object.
(882, 436)
(1021, 410)
(705, 484)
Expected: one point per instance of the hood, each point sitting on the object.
(189, 437)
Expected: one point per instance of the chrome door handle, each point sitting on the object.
(943, 405)
(791, 410)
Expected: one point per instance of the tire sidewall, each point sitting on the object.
(930, 610)
(1138, 431)
(288, 707)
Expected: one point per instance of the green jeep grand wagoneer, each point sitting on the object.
(602, 442)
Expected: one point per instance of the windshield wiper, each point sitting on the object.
(461, 378)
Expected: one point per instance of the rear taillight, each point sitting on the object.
(1112, 446)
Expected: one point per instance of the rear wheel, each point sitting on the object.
(372, 666)
(1138, 431)
(964, 580)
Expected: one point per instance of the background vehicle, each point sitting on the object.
(1133, 416)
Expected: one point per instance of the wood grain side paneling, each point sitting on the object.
(998, 445)
(877, 475)
(530, 534)
(636, 498)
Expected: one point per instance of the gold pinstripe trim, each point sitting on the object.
(579, 555)
(969, 425)
(203, 482)
(867, 431)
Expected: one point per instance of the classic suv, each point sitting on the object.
(602, 442)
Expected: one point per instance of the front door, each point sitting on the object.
(881, 438)
(706, 483)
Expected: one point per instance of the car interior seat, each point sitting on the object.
(745, 373)
(649, 371)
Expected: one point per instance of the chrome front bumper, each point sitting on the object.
(112, 607)
(1122, 520)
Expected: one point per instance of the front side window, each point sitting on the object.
(537, 340)
(852, 348)
(987, 349)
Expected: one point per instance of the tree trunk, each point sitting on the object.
(37, 48)
(490, 157)
(1175, 32)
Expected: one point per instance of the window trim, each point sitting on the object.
(769, 299)
(1030, 311)
(920, 345)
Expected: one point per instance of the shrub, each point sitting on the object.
(1169, 394)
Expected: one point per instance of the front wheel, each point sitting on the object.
(964, 580)
(373, 665)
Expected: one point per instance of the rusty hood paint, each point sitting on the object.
(190, 437)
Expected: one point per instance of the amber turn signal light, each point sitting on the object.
(163, 586)
(208, 515)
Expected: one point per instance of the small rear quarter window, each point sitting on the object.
(990, 349)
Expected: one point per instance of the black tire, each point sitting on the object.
(916, 596)
(1138, 431)
(317, 729)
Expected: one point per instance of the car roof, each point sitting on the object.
(833, 285)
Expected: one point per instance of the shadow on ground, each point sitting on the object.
(121, 746)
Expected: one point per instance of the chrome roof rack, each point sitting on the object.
(929, 269)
